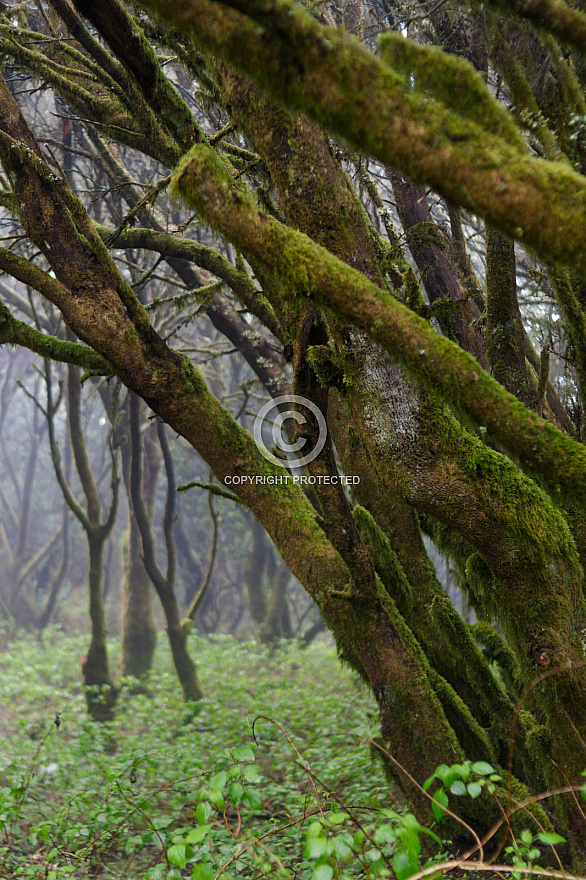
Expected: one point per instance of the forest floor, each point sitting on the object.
(270, 775)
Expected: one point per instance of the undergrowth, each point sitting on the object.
(82, 799)
(270, 775)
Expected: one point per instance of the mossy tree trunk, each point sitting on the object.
(504, 325)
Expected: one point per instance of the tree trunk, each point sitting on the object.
(100, 692)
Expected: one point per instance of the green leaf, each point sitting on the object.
(440, 799)
(323, 872)
(341, 847)
(243, 753)
(251, 773)
(217, 799)
(219, 780)
(252, 799)
(198, 834)
(474, 789)
(203, 871)
(458, 788)
(403, 866)
(315, 830)
(448, 775)
(384, 834)
(176, 855)
(411, 844)
(429, 781)
(316, 847)
(203, 812)
(236, 792)
(372, 855)
(482, 768)
(549, 838)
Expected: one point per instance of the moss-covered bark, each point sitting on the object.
(474, 489)
(95, 90)
(133, 50)
(449, 299)
(322, 204)
(308, 270)
(348, 90)
(504, 325)
(14, 332)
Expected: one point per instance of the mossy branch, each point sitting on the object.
(552, 15)
(451, 80)
(334, 79)
(309, 270)
(14, 332)
(170, 246)
(130, 45)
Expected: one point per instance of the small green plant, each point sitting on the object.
(523, 852)
(468, 778)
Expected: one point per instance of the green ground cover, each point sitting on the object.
(271, 775)
(119, 800)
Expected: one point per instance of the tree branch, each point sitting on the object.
(310, 270)
(332, 78)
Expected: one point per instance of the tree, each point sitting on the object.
(457, 433)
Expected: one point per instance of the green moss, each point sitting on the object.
(451, 80)
(385, 560)
(359, 97)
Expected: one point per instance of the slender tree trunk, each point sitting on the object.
(100, 692)
(276, 623)
(139, 633)
(163, 583)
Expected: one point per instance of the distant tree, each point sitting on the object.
(402, 328)
(100, 691)
(35, 553)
